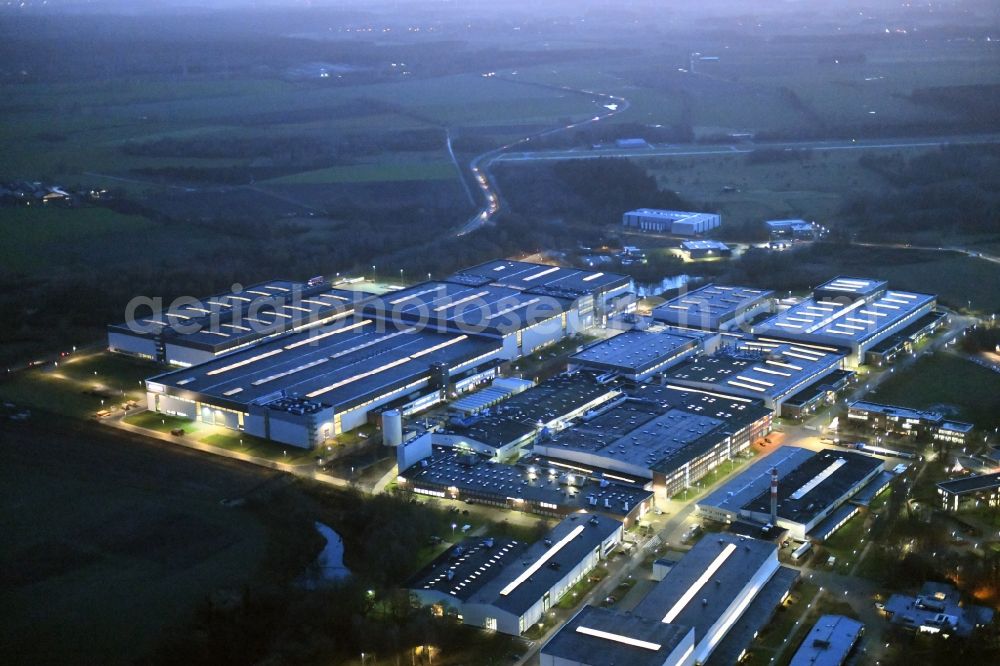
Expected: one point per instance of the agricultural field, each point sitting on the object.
(746, 191)
(81, 141)
(33, 234)
(782, 87)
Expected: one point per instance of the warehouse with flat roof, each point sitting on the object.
(192, 332)
(515, 423)
(638, 355)
(712, 586)
(598, 637)
(523, 590)
(704, 249)
(849, 314)
(408, 348)
(812, 486)
(706, 599)
(522, 322)
(829, 642)
(714, 307)
(459, 572)
(546, 490)
(670, 434)
(768, 371)
(596, 294)
(679, 223)
(790, 229)
(303, 388)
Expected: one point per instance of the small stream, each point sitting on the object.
(329, 564)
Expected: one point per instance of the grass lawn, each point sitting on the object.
(221, 437)
(722, 471)
(783, 626)
(79, 386)
(580, 590)
(948, 383)
(844, 543)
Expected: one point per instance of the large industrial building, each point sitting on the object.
(670, 435)
(548, 490)
(706, 600)
(706, 249)
(904, 340)
(595, 294)
(519, 321)
(303, 388)
(638, 355)
(810, 491)
(816, 395)
(790, 230)
(679, 223)
(409, 349)
(500, 586)
(599, 637)
(714, 307)
(878, 418)
(769, 371)
(198, 331)
(509, 426)
(847, 314)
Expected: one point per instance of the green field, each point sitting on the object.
(30, 233)
(957, 279)
(63, 142)
(948, 383)
(105, 555)
(371, 173)
(762, 76)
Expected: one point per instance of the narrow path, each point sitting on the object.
(458, 167)
(252, 187)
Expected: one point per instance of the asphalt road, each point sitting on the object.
(609, 105)
(696, 150)
(975, 254)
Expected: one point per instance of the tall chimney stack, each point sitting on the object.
(774, 495)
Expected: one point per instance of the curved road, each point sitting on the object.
(480, 165)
